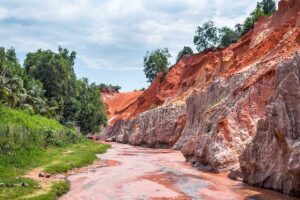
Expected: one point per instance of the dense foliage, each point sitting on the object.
(22, 129)
(263, 8)
(91, 112)
(17, 89)
(47, 85)
(228, 36)
(32, 100)
(186, 51)
(268, 7)
(156, 62)
(206, 36)
(31, 141)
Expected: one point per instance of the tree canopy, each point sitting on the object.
(91, 113)
(155, 62)
(186, 51)
(47, 85)
(17, 89)
(263, 8)
(268, 7)
(228, 36)
(206, 36)
(209, 36)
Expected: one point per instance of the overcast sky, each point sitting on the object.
(112, 36)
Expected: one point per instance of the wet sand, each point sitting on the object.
(135, 173)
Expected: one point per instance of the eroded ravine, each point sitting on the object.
(131, 173)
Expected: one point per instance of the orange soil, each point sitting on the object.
(116, 102)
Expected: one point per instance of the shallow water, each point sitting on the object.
(135, 173)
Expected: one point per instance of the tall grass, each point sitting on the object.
(28, 141)
(24, 137)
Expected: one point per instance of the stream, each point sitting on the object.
(136, 173)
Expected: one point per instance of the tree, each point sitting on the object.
(186, 51)
(47, 85)
(55, 71)
(264, 8)
(156, 62)
(268, 7)
(228, 36)
(16, 88)
(206, 36)
(91, 114)
(254, 16)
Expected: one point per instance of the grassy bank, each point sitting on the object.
(30, 141)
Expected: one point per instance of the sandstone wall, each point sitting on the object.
(272, 160)
(160, 127)
(221, 120)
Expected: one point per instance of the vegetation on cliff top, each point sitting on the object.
(207, 36)
(156, 62)
(186, 51)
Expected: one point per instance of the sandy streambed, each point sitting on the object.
(135, 173)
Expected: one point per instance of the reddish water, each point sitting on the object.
(136, 173)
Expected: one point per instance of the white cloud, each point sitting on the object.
(103, 35)
(3, 13)
(102, 64)
(112, 34)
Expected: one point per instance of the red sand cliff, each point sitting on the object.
(273, 38)
(116, 103)
(211, 105)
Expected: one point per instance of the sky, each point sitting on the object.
(111, 37)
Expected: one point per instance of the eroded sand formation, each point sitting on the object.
(227, 108)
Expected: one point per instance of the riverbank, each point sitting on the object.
(55, 160)
(32, 145)
(129, 172)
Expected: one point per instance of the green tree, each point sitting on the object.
(206, 36)
(268, 7)
(186, 51)
(55, 71)
(156, 62)
(47, 85)
(228, 36)
(77, 102)
(16, 88)
(91, 114)
(254, 16)
(264, 8)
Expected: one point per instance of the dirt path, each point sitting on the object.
(134, 173)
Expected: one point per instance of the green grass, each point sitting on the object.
(24, 118)
(30, 141)
(57, 190)
(52, 160)
(75, 156)
(12, 188)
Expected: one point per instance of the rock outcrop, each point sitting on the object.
(272, 159)
(160, 127)
(117, 102)
(221, 120)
